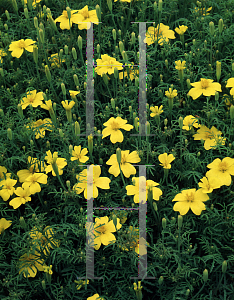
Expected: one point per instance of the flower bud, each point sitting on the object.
(68, 184)
(180, 122)
(133, 38)
(105, 78)
(52, 22)
(98, 11)
(20, 110)
(187, 292)
(77, 129)
(22, 223)
(79, 41)
(66, 49)
(70, 149)
(220, 25)
(180, 221)
(118, 155)
(7, 15)
(90, 144)
(47, 72)
(232, 112)
(1, 72)
(160, 281)
(109, 3)
(68, 12)
(9, 134)
(113, 103)
(137, 82)
(76, 80)
(160, 5)
(205, 275)
(121, 47)
(218, 70)
(224, 266)
(35, 54)
(14, 3)
(98, 48)
(41, 35)
(147, 127)
(114, 34)
(188, 83)
(216, 96)
(6, 27)
(155, 6)
(25, 13)
(63, 89)
(164, 223)
(211, 28)
(43, 284)
(74, 54)
(155, 206)
(124, 55)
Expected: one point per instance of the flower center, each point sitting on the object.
(30, 99)
(190, 197)
(114, 125)
(90, 181)
(123, 159)
(21, 44)
(204, 83)
(100, 229)
(223, 167)
(85, 14)
(65, 14)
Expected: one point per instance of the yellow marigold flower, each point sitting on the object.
(7, 188)
(54, 60)
(107, 64)
(18, 47)
(230, 83)
(132, 72)
(181, 29)
(84, 183)
(208, 184)
(189, 122)
(68, 106)
(44, 239)
(32, 182)
(3, 171)
(73, 93)
(33, 98)
(156, 111)
(34, 2)
(64, 20)
(166, 160)
(222, 170)
(95, 297)
(140, 190)
(125, 165)
(212, 137)
(190, 199)
(227, 100)
(85, 17)
(35, 166)
(60, 162)
(78, 154)
(40, 130)
(204, 87)
(180, 65)
(171, 93)
(4, 224)
(30, 263)
(162, 32)
(103, 231)
(48, 105)
(2, 53)
(113, 126)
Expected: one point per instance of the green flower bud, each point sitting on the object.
(121, 47)
(52, 22)
(105, 78)
(14, 3)
(160, 281)
(35, 22)
(164, 223)
(6, 27)
(98, 11)
(109, 3)
(155, 206)
(166, 63)
(68, 184)
(7, 15)
(77, 129)
(205, 275)
(90, 144)
(133, 38)
(25, 13)
(160, 5)
(43, 284)
(98, 48)
(218, 70)
(224, 266)
(41, 35)
(1, 72)
(187, 292)
(113, 103)
(181, 122)
(35, 54)
(188, 83)
(116, 73)
(232, 112)
(220, 25)
(70, 149)
(74, 54)
(22, 223)
(211, 28)
(114, 218)
(9, 134)
(20, 110)
(137, 82)
(68, 12)
(119, 32)
(114, 34)
(47, 72)
(155, 6)
(118, 155)
(76, 80)
(147, 127)
(61, 134)
(124, 55)
(66, 49)
(100, 161)
(216, 96)
(79, 41)
(63, 89)
(180, 221)
(130, 109)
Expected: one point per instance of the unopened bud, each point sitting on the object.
(63, 89)
(114, 34)
(164, 223)
(35, 54)
(180, 221)
(160, 281)
(224, 266)
(47, 72)
(74, 53)
(220, 25)
(90, 143)
(160, 5)
(121, 47)
(205, 275)
(79, 41)
(181, 122)
(109, 3)
(232, 112)
(105, 78)
(212, 28)
(9, 134)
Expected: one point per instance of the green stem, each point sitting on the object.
(122, 176)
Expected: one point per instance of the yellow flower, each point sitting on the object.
(222, 170)
(132, 72)
(165, 160)
(54, 60)
(156, 111)
(60, 162)
(33, 98)
(4, 224)
(68, 106)
(7, 188)
(212, 137)
(107, 64)
(48, 105)
(180, 65)
(79, 154)
(84, 183)
(34, 2)
(30, 263)
(85, 17)
(125, 165)
(171, 93)
(206, 87)
(230, 83)
(73, 93)
(208, 184)
(23, 193)
(2, 53)
(35, 166)
(103, 231)
(32, 182)
(3, 171)
(64, 20)
(113, 125)
(189, 122)
(40, 130)
(139, 189)
(44, 239)
(227, 100)
(203, 11)
(95, 297)
(181, 29)
(191, 198)
(18, 47)
(163, 33)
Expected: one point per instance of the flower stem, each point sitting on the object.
(122, 176)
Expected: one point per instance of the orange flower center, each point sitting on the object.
(21, 44)
(204, 83)
(115, 126)
(100, 229)
(223, 166)
(85, 14)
